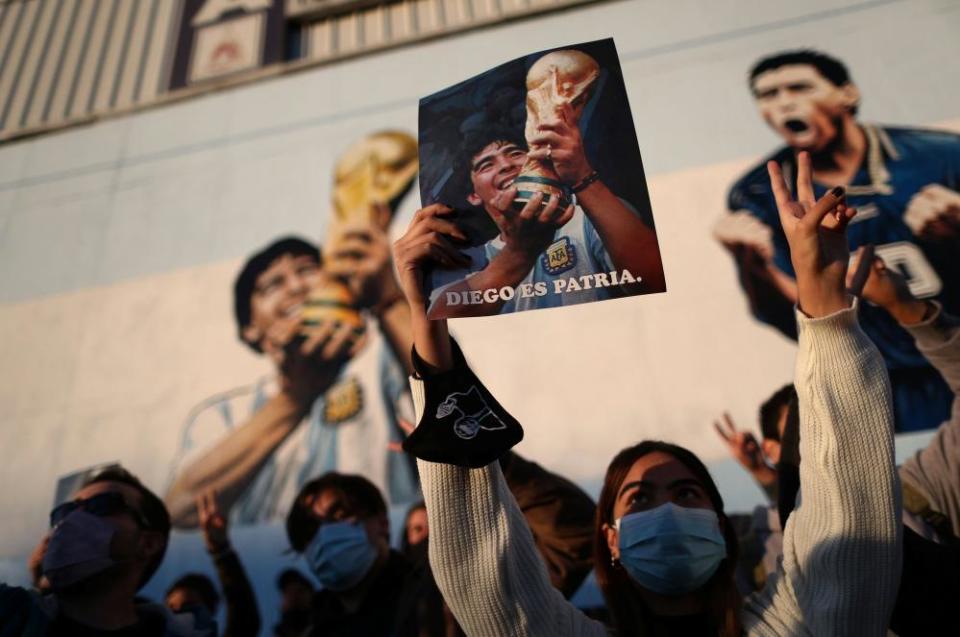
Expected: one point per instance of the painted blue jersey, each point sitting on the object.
(898, 163)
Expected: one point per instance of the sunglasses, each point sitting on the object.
(101, 505)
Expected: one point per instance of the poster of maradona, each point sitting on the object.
(538, 162)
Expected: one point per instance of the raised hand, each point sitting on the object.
(559, 142)
(934, 213)
(527, 234)
(359, 255)
(741, 230)
(745, 449)
(816, 232)
(427, 241)
(213, 523)
(888, 289)
(309, 358)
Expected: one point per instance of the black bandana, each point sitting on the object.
(462, 423)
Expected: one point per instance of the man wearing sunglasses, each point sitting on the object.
(102, 547)
(339, 522)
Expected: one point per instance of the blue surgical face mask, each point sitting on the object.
(79, 548)
(671, 550)
(340, 555)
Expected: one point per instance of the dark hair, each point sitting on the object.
(203, 587)
(720, 593)
(361, 497)
(771, 410)
(476, 140)
(420, 505)
(292, 576)
(154, 512)
(256, 265)
(829, 67)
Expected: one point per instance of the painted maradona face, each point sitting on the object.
(802, 106)
(280, 292)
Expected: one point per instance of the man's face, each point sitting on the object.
(493, 170)
(183, 598)
(279, 292)
(130, 543)
(330, 506)
(417, 529)
(802, 106)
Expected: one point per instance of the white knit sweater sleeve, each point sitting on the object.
(841, 563)
(483, 555)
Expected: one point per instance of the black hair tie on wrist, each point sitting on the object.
(462, 423)
(584, 183)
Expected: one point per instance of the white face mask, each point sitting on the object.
(79, 548)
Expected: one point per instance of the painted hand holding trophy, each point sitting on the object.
(557, 79)
(369, 179)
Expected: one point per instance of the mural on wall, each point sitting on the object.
(904, 182)
(334, 325)
(203, 292)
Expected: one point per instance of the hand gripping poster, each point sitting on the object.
(539, 163)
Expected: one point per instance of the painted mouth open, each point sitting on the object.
(293, 310)
(796, 126)
(507, 183)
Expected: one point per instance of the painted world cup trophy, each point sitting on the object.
(557, 80)
(369, 178)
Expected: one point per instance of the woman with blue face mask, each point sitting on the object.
(665, 552)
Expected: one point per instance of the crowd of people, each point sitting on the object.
(849, 544)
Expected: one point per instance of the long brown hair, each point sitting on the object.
(631, 617)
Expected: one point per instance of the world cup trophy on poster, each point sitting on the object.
(369, 179)
(559, 78)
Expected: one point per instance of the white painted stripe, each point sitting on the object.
(58, 40)
(486, 9)
(14, 62)
(428, 16)
(347, 32)
(513, 6)
(401, 23)
(24, 90)
(66, 64)
(456, 12)
(320, 40)
(132, 62)
(91, 59)
(39, 43)
(162, 46)
(374, 32)
(12, 18)
(112, 62)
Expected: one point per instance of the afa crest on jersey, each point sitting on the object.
(559, 257)
(343, 401)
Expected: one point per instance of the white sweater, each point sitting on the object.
(841, 564)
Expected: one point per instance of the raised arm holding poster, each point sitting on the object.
(539, 161)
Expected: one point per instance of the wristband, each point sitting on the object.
(584, 183)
